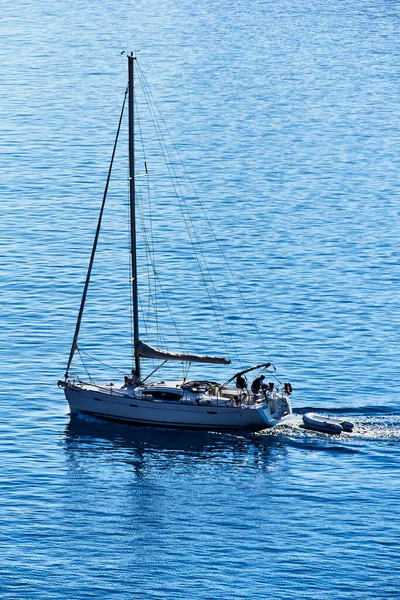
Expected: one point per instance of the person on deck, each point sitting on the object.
(132, 380)
(241, 383)
(256, 385)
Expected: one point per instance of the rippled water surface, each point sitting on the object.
(286, 116)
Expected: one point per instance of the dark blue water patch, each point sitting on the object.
(321, 445)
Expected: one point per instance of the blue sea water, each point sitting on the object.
(286, 115)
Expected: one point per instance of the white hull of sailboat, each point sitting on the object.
(116, 406)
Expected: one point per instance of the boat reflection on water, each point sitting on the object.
(148, 449)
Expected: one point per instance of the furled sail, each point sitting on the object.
(145, 351)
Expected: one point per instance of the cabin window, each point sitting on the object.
(161, 395)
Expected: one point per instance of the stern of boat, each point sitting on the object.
(276, 410)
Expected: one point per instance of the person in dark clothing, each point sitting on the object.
(132, 380)
(256, 385)
(241, 382)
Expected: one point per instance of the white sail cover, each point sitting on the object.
(146, 351)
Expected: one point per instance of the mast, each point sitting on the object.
(132, 198)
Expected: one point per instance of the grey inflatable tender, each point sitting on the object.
(326, 424)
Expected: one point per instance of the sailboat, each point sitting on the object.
(142, 400)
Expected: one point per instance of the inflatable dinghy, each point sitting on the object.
(326, 424)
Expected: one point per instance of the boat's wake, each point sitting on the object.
(368, 427)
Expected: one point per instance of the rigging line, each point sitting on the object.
(157, 279)
(178, 332)
(151, 300)
(187, 217)
(254, 322)
(250, 315)
(154, 370)
(148, 245)
(141, 137)
(150, 295)
(84, 366)
(150, 250)
(183, 207)
(164, 295)
(186, 369)
(146, 327)
(86, 286)
(149, 92)
(99, 361)
(159, 331)
(151, 256)
(141, 219)
(143, 320)
(127, 229)
(160, 335)
(142, 311)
